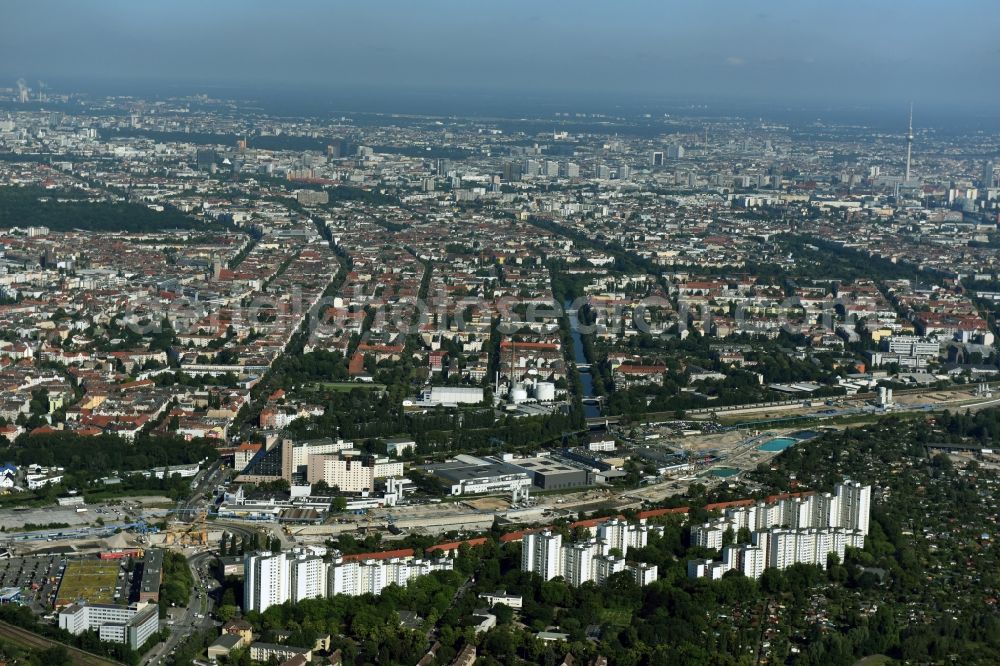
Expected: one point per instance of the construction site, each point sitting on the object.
(194, 533)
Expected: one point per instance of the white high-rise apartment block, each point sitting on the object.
(371, 577)
(698, 568)
(578, 562)
(308, 576)
(826, 510)
(731, 556)
(748, 560)
(855, 505)
(823, 545)
(272, 579)
(613, 533)
(591, 560)
(707, 536)
(753, 561)
(805, 547)
(854, 539)
(782, 549)
(706, 569)
(798, 512)
(840, 539)
(811, 546)
(397, 570)
(848, 507)
(742, 517)
(541, 553)
(642, 573)
(617, 533)
(790, 531)
(606, 566)
(761, 539)
(343, 578)
(266, 581)
(767, 516)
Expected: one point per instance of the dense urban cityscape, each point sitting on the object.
(285, 382)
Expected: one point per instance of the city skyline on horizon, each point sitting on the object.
(791, 54)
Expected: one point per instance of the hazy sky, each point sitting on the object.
(867, 51)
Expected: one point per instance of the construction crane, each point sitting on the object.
(194, 534)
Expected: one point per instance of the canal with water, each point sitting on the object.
(586, 381)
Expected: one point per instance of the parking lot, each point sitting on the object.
(37, 577)
(122, 511)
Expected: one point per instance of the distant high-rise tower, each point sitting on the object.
(512, 171)
(909, 145)
(987, 175)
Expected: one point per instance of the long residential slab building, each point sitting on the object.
(271, 579)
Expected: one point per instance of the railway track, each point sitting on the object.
(735, 409)
(33, 641)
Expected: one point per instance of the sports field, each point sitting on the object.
(91, 580)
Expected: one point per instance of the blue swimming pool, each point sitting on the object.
(777, 444)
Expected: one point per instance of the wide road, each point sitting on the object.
(199, 604)
(197, 501)
(196, 615)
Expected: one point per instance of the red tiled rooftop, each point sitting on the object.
(386, 555)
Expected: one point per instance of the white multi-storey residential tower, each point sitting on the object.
(266, 581)
(593, 560)
(541, 552)
(308, 575)
(855, 505)
(790, 530)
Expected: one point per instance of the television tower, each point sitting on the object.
(909, 145)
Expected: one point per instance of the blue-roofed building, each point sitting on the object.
(8, 475)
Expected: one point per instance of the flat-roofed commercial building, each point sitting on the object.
(469, 475)
(152, 575)
(452, 395)
(550, 473)
(132, 625)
